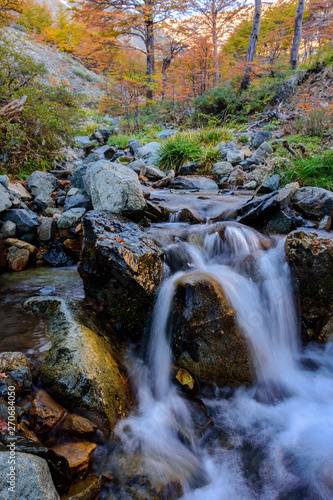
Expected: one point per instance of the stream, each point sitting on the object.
(273, 440)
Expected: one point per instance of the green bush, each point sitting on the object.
(46, 122)
(177, 150)
(219, 102)
(315, 122)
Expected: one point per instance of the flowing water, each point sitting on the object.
(271, 441)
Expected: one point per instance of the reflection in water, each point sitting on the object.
(20, 330)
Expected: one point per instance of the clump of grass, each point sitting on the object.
(314, 171)
(315, 122)
(120, 140)
(177, 150)
(212, 136)
(208, 158)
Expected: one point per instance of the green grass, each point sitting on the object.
(313, 171)
(212, 136)
(208, 157)
(177, 150)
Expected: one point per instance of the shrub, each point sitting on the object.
(315, 122)
(177, 150)
(46, 122)
(215, 102)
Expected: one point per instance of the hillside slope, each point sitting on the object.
(62, 68)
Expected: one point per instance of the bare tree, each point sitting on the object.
(297, 33)
(251, 50)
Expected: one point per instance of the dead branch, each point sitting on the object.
(11, 111)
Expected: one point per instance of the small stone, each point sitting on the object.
(260, 137)
(234, 157)
(73, 245)
(45, 412)
(325, 223)
(5, 201)
(153, 173)
(77, 201)
(73, 191)
(16, 188)
(87, 489)
(222, 168)
(185, 378)
(77, 425)
(247, 152)
(25, 220)
(77, 454)
(250, 185)
(71, 217)
(8, 229)
(138, 166)
(17, 258)
(42, 183)
(50, 212)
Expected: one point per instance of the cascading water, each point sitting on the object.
(271, 441)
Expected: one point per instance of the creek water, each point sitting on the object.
(273, 440)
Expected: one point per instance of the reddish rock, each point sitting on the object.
(45, 412)
(77, 454)
(77, 425)
(17, 258)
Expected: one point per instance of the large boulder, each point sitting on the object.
(205, 337)
(120, 267)
(311, 260)
(114, 188)
(263, 208)
(193, 183)
(314, 202)
(82, 368)
(42, 183)
(31, 478)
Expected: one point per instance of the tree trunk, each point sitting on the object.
(216, 51)
(297, 33)
(150, 47)
(251, 50)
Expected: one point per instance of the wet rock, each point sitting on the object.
(12, 361)
(165, 181)
(77, 201)
(314, 202)
(3, 256)
(114, 188)
(75, 425)
(105, 152)
(193, 182)
(71, 217)
(22, 376)
(324, 330)
(271, 184)
(282, 222)
(138, 166)
(74, 246)
(186, 215)
(121, 267)
(56, 256)
(25, 220)
(223, 168)
(263, 208)
(42, 183)
(58, 465)
(46, 229)
(154, 174)
(76, 453)
(155, 213)
(188, 168)
(311, 261)
(82, 369)
(19, 191)
(87, 489)
(325, 223)
(45, 412)
(5, 201)
(17, 258)
(259, 137)
(234, 157)
(205, 337)
(101, 136)
(8, 229)
(32, 479)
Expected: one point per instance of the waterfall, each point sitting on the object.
(284, 423)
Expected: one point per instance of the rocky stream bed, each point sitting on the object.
(166, 336)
